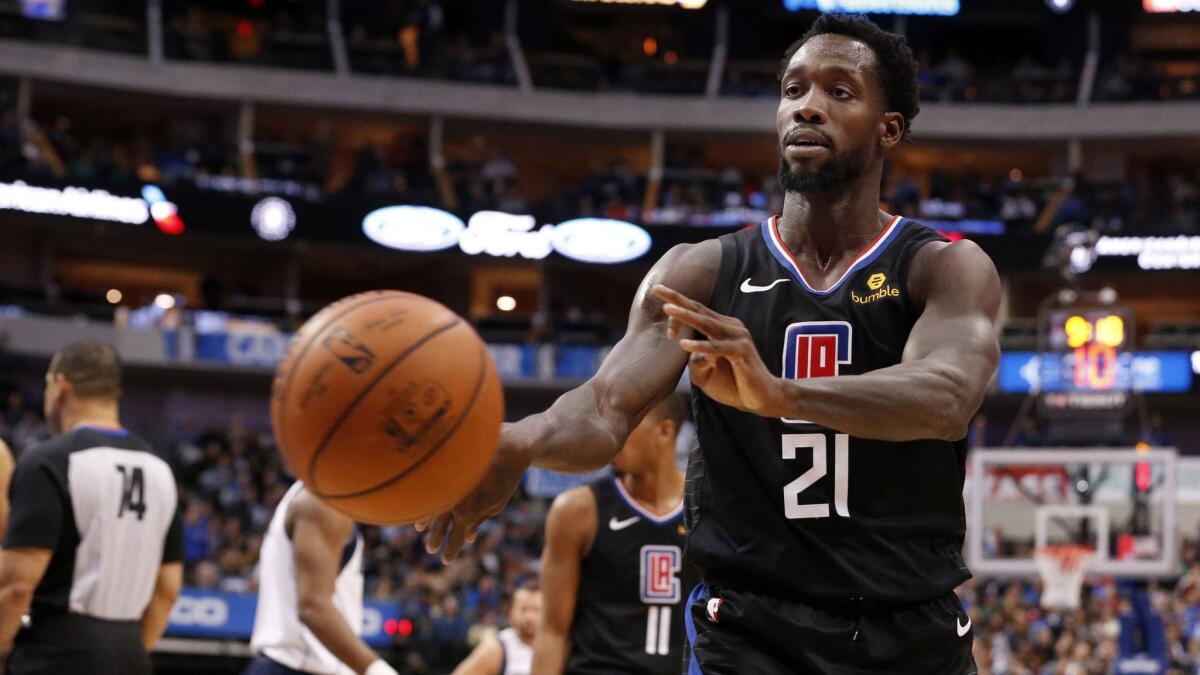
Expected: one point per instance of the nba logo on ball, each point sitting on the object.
(660, 574)
(815, 349)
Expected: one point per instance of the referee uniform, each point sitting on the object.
(105, 505)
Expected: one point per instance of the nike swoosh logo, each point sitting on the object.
(615, 524)
(748, 287)
(962, 630)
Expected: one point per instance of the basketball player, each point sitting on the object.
(94, 546)
(6, 470)
(613, 551)
(511, 651)
(836, 354)
(310, 593)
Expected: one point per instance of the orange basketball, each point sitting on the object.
(388, 407)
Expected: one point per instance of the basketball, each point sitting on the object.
(388, 406)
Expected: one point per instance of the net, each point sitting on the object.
(1062, 569)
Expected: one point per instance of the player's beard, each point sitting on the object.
(834, 173)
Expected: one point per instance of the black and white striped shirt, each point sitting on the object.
(105, 504)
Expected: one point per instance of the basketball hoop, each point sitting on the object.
(1062, 569)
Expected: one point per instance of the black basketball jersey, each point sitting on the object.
(105, 505)
(797, 510)
(632, 588)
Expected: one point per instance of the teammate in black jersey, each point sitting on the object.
(612, 564)
(837, 354)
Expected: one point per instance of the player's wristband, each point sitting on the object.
(380, 667)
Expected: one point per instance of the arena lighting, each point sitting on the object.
(1060, 6)
(164, 212)
(938, 7)
(273, 218)
(1154, 253)
(113, 296)
(164, 301)
(1171, 5)
(506, 303)
(600, 240)
(413, 228)
(505, 235)
(76, 202)
(422, 228)
(1196, 362)
(685, 4)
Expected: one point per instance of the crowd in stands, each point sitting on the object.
(462, 40)
(693, 191)
(231, 479)
(1015, 635)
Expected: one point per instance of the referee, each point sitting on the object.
(94, 548)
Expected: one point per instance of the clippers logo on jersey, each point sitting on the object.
(815, 349)
(660, 574)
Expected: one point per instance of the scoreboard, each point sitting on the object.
(1086, 361)
(1093, 341)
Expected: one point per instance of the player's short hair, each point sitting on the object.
(531, 586)
(674, 408)
(93, 369)
(896, 68)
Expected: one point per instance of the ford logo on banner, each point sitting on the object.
(422, 228)
(600, 240)
(413, 228)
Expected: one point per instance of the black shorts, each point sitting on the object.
(732, 631)
(54, 644)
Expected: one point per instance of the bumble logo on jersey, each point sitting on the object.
(876, 282)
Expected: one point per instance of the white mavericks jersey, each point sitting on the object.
(278, 631)
(518, 656)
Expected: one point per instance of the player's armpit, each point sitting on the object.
(570, 531)
(486, 659)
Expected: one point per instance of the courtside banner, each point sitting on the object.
(230, 616)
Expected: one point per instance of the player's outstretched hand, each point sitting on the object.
(448, 531)
(727, 365)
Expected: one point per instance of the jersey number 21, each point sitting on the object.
(817, 444)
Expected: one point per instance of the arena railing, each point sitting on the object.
(342, 91)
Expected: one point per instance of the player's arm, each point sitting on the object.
(486, 659)
(948, 360)
(570, 531)
(587, 426)
(20, 574)
(167, 586)
(34, 522)
(318, 534)
(6, 469)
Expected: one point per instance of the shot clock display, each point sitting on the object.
(1093, 341)
(1087, 362)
